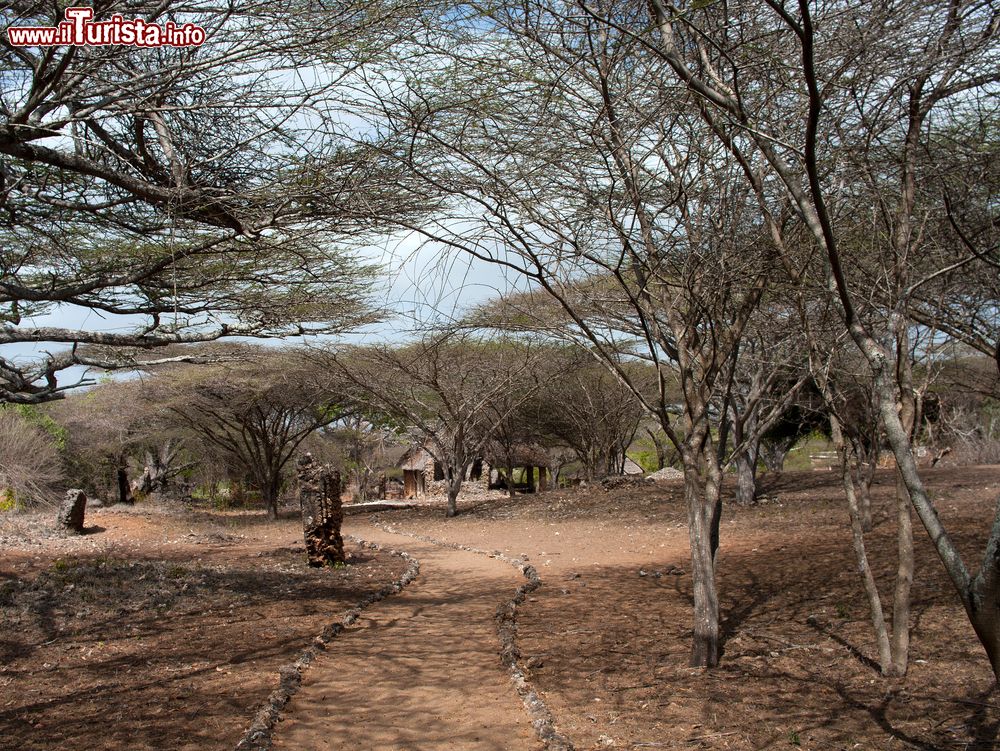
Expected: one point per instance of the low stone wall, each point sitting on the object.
(506, 619)
(258, 737)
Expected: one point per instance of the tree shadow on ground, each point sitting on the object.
(116, 653)
(797, 650)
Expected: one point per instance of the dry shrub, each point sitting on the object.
(977, 451)
(973, 432)
(30, 466)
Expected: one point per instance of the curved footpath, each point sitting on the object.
(421, 670)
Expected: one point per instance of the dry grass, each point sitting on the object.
(30, 467)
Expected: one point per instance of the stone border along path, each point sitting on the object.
(506, 618)
(258, 737)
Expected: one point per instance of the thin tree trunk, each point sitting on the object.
(269, 489)
(124, 489)
(713, 502)
(904, 583)
(658, 446)
(860, 553)
(979, 595)
(701, 511)
(746, 475)
(904, 530)
(865, 477)
(454, 486)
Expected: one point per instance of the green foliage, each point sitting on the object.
(646, 458)
(8, 502)
(798, 458)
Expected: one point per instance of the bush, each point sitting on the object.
(30, 466)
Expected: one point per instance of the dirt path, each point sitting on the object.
(421, 670)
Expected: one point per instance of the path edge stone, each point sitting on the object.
(259, 735)
(542, 719)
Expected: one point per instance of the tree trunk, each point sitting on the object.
(702, 518)
(904, 531)
(705, 641)
(773, 454)
(322, 513)
(746, 488)
(885, 656)
(865, 476)
(979, 594)
(454, 486)
(904, 582)
(270, 488)
(156, 473)
(661, 454)
(124, 489)
(984, 596)
(746, 461)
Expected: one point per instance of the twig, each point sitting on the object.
(711, 735)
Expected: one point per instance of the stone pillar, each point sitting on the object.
(322, 512)
(71, 511)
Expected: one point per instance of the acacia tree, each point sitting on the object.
(586, 408)
(255, 412)
(773, 365)
(449, 388)
(817, 103)
(363, 436)
(574, 167)
(106, 427)
(185, 193)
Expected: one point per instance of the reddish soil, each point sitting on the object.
(157, 629)
(161, 630)
(611, 645)
(420, 670)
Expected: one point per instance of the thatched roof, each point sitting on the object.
(416, 457)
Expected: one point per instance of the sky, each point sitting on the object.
(422, 283)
